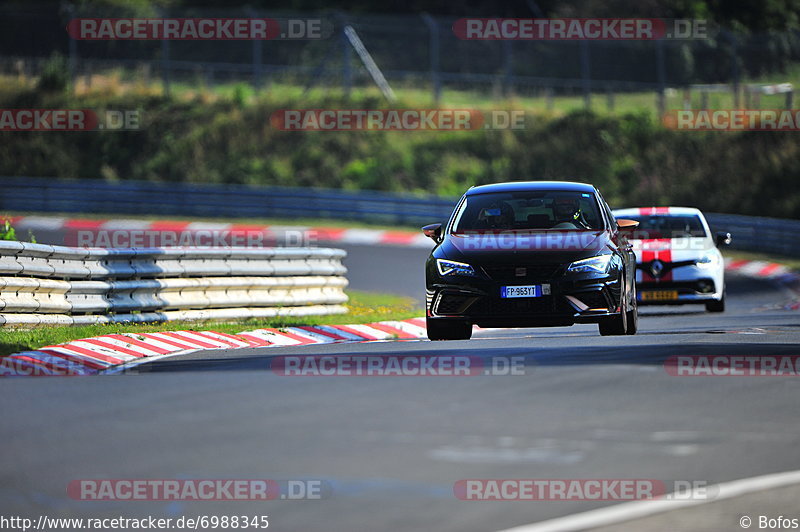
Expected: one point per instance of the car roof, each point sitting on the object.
(517, 186)
(657, 211)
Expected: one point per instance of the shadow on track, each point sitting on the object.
(651, 354)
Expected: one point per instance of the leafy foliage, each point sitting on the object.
(632, 158)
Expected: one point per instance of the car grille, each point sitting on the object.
(683, 287)
(593, 299)
(533, 272)
(521, 306)
(452, 303)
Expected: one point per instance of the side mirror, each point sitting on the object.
(723, 239)
(433, 231)
(623, 223)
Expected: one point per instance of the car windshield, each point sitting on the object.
(533, 210)
(667, 226)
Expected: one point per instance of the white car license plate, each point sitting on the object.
(530, 290)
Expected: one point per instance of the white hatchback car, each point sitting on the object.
(677, 259)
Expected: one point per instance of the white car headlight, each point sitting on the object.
(707, 261)
(451, 267)
(597, 264)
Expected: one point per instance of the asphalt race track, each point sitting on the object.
(389, 449)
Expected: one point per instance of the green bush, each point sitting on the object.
(55, 74)
(632, 158)
(7, 231)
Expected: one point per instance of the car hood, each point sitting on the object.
(546, 247)
(672, 250)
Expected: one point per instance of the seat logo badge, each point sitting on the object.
(521, 272)
(656, 268)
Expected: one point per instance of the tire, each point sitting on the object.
(615, 325)
(716, 306)
(633, 317)
(448, 330)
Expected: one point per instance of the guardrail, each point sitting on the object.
(25, 194)
(750, 233)
(756, 233)
(42, 284)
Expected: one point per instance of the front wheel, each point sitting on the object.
(614, 325)
(618, 325)
(716, 306)
(448, 329)
(633, 316)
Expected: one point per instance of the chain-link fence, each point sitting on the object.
(412, 51)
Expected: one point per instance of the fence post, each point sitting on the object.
(548, 95)
(257, 50)
(586, 74)
(734, 70)
(347, 70)
(789, 99)
(433, 28)
(73, 51)
(87, 72)
(661, 70)
(508, 67)
(165, 66)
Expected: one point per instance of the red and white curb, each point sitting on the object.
(772, 271)
(192, 231)
(114, 353)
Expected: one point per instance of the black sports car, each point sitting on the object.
(530, 254)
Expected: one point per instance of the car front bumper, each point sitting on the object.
(582, 298)
(679, 292)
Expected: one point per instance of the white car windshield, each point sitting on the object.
(667, 226)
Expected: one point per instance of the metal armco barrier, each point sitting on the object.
(755, 233)
(25, 194)
(42, 284)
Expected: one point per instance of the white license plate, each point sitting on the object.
(529, 290)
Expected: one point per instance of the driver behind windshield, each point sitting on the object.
(568, 214)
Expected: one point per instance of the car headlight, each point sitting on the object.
(597, 264)
(707, 261)
(451, 267)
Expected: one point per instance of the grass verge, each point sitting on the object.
(363, 307)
